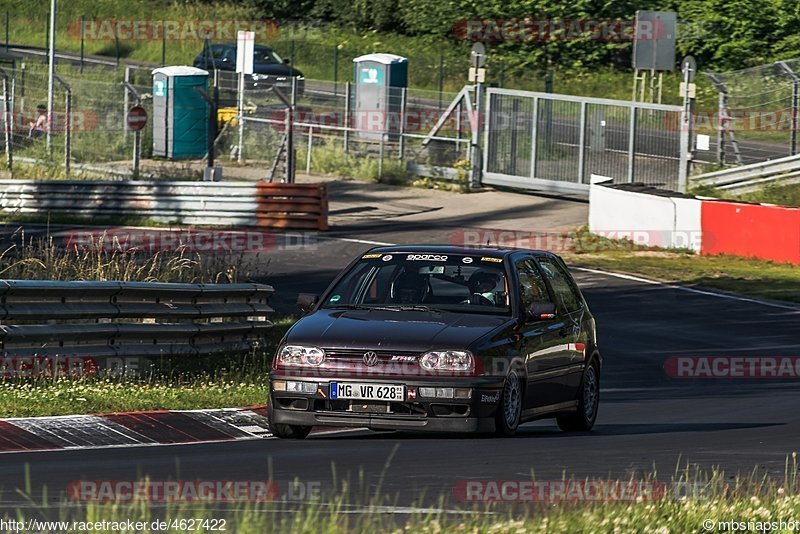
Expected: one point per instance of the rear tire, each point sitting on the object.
(509, 407)
(284, 431)
(588, 403)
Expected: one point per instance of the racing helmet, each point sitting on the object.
(483, 277)
(410, 288)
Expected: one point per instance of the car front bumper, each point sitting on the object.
(476, 414)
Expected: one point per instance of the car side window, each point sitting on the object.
(531, 285)
(566, 293)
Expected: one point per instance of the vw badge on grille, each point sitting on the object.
(370, 359)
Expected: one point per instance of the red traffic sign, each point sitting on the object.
(137, 118)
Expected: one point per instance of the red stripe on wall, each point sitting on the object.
(765, 232)
(14, 438)
(167, 427)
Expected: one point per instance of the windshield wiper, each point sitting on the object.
(386, 307)
(412, 307)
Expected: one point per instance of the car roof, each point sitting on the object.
(233, 45)
(493, 251)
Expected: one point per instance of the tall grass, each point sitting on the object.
(692, 497)
(50, 257)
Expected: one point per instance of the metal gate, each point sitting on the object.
(556, 142)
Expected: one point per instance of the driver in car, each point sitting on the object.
(410, 288)
(481, 286)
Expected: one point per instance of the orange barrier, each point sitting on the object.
(292, 205)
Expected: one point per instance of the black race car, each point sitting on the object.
(268, 68)
(440, 339)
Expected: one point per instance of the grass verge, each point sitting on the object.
(781, 195)
(745, 276)
(690, 503)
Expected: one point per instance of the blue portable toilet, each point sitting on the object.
(180, 113)
(379, 82)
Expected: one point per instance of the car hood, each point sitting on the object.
(412, 331)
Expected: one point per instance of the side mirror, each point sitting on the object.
(306, 301)
(286, 62)
(541, 310)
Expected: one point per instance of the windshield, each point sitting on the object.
(459, 283)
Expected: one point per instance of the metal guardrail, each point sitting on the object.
(749, 178)
(262, 204)
(128, 319)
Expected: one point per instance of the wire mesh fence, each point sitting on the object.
(333, 134)
(95, 122)
(756, 119)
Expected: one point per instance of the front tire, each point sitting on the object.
(509, 408)
(284, 431)
(588, 403)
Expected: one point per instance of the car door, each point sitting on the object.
(542, 341)
(571, 312)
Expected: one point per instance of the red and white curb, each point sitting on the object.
(130, 429)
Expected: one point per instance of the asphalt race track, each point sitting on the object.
(648, 421)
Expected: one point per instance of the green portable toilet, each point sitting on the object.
(180, 114)
(379, 82)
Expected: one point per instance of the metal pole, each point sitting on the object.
(83, 26)
(7, 120)
(348, 89)
(632, 143)
(7, 24)
(582, 145)
(126, 102)
(380, 157)
(335, 70)
(290, 163)
(534, 134)
(308, 152)
(22, 88)
(721, 117)
(795, 105)
(51, 71)
(475, 178)
(401, 142)
(441, 79)
(67, 123)
(240, 112)
(116, 41)
(163, 44)
(685, 137)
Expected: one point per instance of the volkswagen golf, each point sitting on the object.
(445, 339)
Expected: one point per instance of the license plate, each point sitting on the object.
(357, 391)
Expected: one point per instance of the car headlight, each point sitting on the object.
(258, 77)
(447, 360)
(298, 355)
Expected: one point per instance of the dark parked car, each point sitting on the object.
(440, 339)
(268, 68)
